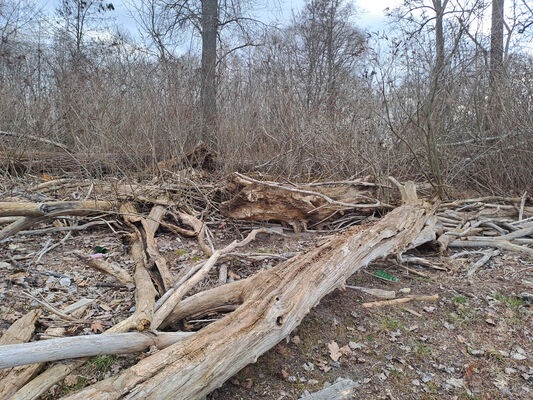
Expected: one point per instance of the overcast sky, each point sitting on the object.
(371, 15)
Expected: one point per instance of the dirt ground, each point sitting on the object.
(475, 342)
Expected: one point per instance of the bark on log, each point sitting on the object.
(13, 355)
(273, 303)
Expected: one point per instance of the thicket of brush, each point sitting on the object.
(284, 107)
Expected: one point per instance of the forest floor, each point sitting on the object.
(475, 342)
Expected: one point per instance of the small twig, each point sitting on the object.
(49, 307)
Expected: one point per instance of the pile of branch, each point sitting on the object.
(266, 307)
(493, 222)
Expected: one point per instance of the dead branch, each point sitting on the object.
(401, 300)
(145, 294)
(109, 268)
(482, 261)
(19, 332)
(173, 299)
(151, 225)
(84, 346)
(53, 208)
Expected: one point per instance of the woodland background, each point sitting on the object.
(444, 94)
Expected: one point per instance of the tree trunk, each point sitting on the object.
(496, 64)
(209, 83)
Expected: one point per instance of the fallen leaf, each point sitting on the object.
(284, 374)
(233, 275)
(334, 351)
(97, 327)
(296, 339)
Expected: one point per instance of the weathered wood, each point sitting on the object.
(109, 268)
(19, 224)
(296, 206)
(53, 208)
(401, 300)
(151, 225)
(273, 303)
(83, 346)
(166, 308)
(342, 389)
(145, 294)
(19, 332)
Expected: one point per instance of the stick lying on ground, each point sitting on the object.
(84, 346)
(401, 300)
(273, 303)
(109, 268)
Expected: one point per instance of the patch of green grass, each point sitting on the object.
(395, 372)
(511, 301)
(421, 349)
(389, 323)
(264, 251)
(181, 252)
(100, 365)
(467, 314)
(82, 382)
(196, 258)
(496, 356)
(370, 338)
(459, 299)
(432, 387)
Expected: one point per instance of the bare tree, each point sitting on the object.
(76, 14)
(208, 93)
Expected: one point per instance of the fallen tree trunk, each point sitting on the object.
(273, 303)
(13, 355)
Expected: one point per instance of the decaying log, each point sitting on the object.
(273, 303)
(53, 208)
(109, 268)
(264, 201)
(65, 348)
(19, 332)
(19, 224)
(32, 213)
